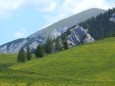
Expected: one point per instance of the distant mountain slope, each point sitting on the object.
(53, 30)
(64, 24)
(6, 48)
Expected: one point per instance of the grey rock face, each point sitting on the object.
(78, 35)
(112, 17)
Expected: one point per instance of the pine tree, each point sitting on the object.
(49, 45)
(28, 54)
(64, 41)
(61, 48)
(58, 46)
(21, 56)
(101, 26)
(39, 52)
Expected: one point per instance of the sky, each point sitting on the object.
(21, 18)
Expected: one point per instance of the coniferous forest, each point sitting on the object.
(100, 27)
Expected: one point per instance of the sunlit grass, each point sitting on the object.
(91, 64)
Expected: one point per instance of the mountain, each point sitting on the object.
(64, 24)
(52, 30)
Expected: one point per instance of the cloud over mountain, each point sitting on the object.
(57, 9)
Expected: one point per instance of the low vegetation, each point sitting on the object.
(21, 57)
(86, 65)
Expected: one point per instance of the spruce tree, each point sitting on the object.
(49, 45)
(39, 52)
(21, 56)
(28, 54)
(64, 41)
(58, 46)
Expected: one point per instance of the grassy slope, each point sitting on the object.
(88, 65)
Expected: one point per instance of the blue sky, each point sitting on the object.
(20, 18)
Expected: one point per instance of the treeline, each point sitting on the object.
(100, 27)
(50, 46)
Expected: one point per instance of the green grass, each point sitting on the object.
(91, 64)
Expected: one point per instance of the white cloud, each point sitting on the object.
(52, 6)
(7, 6)
(54, 9)
(45, 5)
(20, 33)
(10, 4)
(70, 7)
(80, 5)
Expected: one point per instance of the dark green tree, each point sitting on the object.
(21, 56)
(64, 41)
(28, 54)
(101, 26)
(58, 46)
(39, 52)
(49, 45)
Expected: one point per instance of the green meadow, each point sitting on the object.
(90, 64)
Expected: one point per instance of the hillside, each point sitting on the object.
(87, 65)
(101, 26)
(52, 30)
